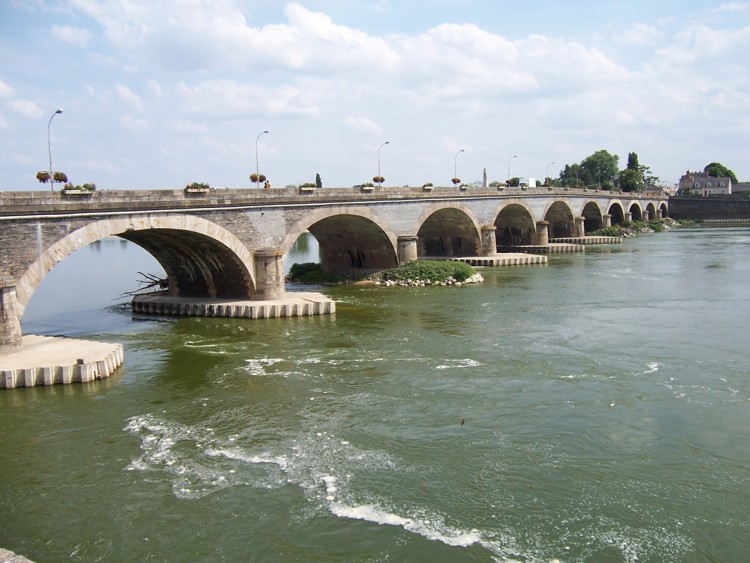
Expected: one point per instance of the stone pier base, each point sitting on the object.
(294, 304)
(47, 360)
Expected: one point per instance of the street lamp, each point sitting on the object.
(455, 158)
(547, 174)
(49, 147)
(381, 146)
(511, 158)
(257, 168)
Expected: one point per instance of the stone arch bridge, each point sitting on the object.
(221, 243)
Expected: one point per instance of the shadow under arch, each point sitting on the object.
(350, 240)
(561, 221)
(636, 213)
(200, 258)
(448, 231)
(515, 226)
(616, 213)
(592, 214)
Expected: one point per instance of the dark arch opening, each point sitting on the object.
(514, 227)
(350, 243)
(593, 217)
(196, 265)
(561, 221)
(448, 233)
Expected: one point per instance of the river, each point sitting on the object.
(593, 409)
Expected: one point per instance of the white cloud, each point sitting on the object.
(5, 90)
(363, 124)
(26, 108)
(77, 36)
(134, 123)
(229, 99)
(129, 97)
(640, 35)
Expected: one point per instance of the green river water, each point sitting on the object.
(593, 409)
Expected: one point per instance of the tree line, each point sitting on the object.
(601, 170)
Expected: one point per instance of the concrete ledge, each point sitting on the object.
(551, 248)
(506, 259)
(7, 556)
(48, 360)
(297, 304)
(587, 240)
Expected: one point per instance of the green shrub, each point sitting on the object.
(310, 272)
(429, 270)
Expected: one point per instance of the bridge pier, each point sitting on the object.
(269, 274)
(607, 220)
(407, 249)
(542, 233)
(628, 217)
(489, 240)
(10, 324)
(580, 226)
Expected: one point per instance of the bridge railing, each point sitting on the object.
(113, 200)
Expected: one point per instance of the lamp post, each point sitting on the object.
(511, 158)
(547, 174)
(257, 167)
(455, 158)
(381, 146)
(49, 148)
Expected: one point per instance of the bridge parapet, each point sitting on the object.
(41, 202)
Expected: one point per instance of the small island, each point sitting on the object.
(416, 273)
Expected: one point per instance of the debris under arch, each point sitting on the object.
(147, 283)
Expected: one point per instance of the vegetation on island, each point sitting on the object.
(417, 272)
(427, 271)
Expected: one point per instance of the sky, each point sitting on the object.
(162, 94)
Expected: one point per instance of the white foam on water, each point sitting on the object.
(257, 366)
(458, 364)
(335, 475)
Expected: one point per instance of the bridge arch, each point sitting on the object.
(350, 239)
(617, 213)
(515, 225)
(448, 230)
(664, 210)
(593, 217)
(651, 211)
(636, 213)
(200, 258)
(561, 221)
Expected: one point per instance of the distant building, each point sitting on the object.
(741, 187)
(700, 183)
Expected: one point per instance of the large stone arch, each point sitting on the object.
(448, 231)
(351, 239)
(664, 210)
(651, 211)
(200, 258)
(561, 221)
(592, 214)
(636, 213)
(515, 225)
(617, 213)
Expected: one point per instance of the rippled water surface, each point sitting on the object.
(594, 409)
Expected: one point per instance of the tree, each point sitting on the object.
(630, 180)
(633, 161)
(318, 181)
(597, 167)
(718, 170)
